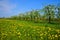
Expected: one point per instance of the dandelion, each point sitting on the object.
(58, 31)
(52, 35)
(45, 33)
(41, 37)
(41, 34)
(48, 31)
(51, 38)
(18, 33)
(49, 28)
(56, 35)
(19, 36)
(15, 31)
(49, 35)
(59, 35)
(28, 34)
(2, 33)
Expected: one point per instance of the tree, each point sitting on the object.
(36, 15)
(49, 12)
(58, 14)
(21, 16)
(14, 17)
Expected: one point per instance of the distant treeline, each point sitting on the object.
(48, 13)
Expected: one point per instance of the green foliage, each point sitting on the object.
(49, 14)
(58, 14)
(27, 30)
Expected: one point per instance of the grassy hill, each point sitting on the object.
(28, 30)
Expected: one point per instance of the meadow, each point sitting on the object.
(28, 30)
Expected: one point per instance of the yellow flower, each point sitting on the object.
(52, 35)
(45, 33)
(28, 34)
(19, 33)
(32, 34)
(19, 36)
(56, 35)
(58, 31)
(41, 34)
(49, 28)
(51, 38)
(41, 37)
(2, 33)
(49, 35)
(59, 35)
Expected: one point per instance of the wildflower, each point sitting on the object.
(56, 35)
(2, 33)
(41, 37)
(28, 34)
(58, 31)
(15, 31)
(49, 35)
(59, 35)
(48, 31)
(45, 33)
(41, 34)
(32, 34)
(52, 35)
(49, 28)
(18, 33)
(19, 36)
(51, 38)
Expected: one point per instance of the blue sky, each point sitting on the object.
(14, 7)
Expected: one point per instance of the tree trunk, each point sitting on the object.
(49, 18)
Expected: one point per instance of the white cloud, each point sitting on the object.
(6, 6)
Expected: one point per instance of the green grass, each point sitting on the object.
(28, 30)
